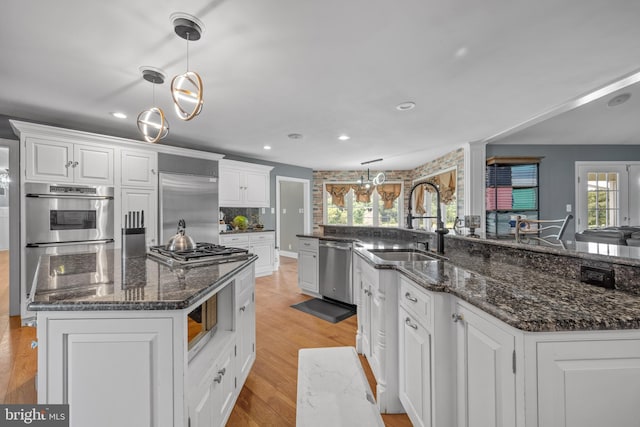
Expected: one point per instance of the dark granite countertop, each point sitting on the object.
(529, 300)
(144, 283)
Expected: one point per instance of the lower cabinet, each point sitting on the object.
(246, 327)
(308, 280)
(588, 383)
(128, 362)
(415, 369)
(259, 243)
(485, 372)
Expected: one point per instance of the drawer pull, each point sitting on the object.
(457, 317)
(218, 379)
(243, 308)
(410, 298)
(409, 324)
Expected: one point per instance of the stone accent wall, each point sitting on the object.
(449, 160)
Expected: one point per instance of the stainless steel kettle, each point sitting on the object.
(180, 241)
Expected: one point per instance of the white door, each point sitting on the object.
(140, 199)
(486, 381)
(589, 383)
(139, 168)
(93, 164)
(607, 194)
(50, 161)
(415, 369)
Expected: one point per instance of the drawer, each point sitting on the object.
(261, 237)
(307, 244)
(416, 300)
(234, 239)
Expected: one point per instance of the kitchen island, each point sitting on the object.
(492, 335)
(126, 342)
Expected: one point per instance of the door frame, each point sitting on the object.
(580, 203)
(306, 186)
(14, 225)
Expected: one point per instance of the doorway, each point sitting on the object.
(9, 229)
(293, 213)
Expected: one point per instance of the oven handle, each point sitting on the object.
(78, 242)
(68, 196)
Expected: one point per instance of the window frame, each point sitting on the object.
(349, 202)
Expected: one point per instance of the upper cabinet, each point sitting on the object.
(65, 162)
(139, 168)
(244, 184)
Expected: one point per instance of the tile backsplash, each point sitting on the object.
(252, 214)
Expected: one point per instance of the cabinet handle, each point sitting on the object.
(69, 163)
(222, 371)
(409, 324)
(410, 298)
(75, 164)
(243, 308)
(218, 379)
(457, 317)
(153, 171)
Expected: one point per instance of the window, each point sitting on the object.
(607, 194)
(346, 204)
(446, 182)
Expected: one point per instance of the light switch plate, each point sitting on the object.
(273, 210)
(569, 208)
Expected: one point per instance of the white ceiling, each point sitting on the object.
(316, 67)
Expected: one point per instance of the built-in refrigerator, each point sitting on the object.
(188, 189)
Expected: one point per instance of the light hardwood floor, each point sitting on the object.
(269, 395)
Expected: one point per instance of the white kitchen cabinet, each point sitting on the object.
(486, 385)
(244, 184)
(588, 382)
(65, 162)
(415, 369)
(138, 168)
(246, 325)
(259, 243)
(308, 266)
(72, 352)
(142, 199)
(379, 304)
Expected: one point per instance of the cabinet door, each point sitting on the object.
(201, 411)
(486, 381)
(139, 168)
(49, 161)
(364, 311)
(93, 164)
(257, 189)
(589, 383)
(264, 263)
(246, 335)
(231, 189)
(126, 362)
(378, 332)
(308, 271)
(139, 199)
(224, 387)
(415, 369)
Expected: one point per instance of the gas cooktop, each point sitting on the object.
(204, 253)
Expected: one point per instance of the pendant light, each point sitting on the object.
(186, 88)
(152, 123)
(379, 179)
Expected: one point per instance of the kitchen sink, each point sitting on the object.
(402, 255)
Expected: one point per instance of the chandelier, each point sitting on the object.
(377, 180)
(152, 122)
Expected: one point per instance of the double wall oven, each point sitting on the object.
(67, 219)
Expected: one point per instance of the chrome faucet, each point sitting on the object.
(441, 230)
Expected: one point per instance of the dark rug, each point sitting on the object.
(330, 311)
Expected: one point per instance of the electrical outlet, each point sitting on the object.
(284, 211)
(569, 208)
(264, 211)
(273, 210)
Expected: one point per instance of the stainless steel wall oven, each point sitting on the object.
(64, 219)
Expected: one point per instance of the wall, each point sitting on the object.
(557, 171)
(452, 159)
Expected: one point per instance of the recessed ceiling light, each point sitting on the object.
(295, 136)
(406, 106)
(461, 52)
(619, 99)
(344, 137)
(118, 115)
(267, 147)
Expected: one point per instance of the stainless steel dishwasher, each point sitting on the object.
(335, 270)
